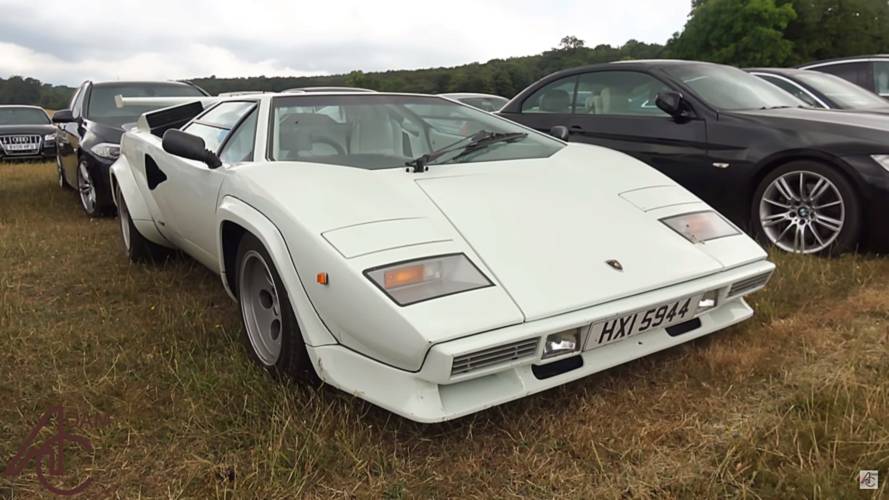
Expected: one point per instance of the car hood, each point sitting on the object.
(106, 133)
(547, 229)
(544, 228)
(26, 129)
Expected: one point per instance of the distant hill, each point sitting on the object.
(19, 90)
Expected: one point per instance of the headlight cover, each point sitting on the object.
(698, 227)
(883, 160)
(106, 150)
(427, 278)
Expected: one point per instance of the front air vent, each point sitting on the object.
(748, 284)
(467, 363)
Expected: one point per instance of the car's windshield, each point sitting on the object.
(103, 109)
(846, 94)
(22, 116)
(485, 103)
(377, 131)
(731, 89)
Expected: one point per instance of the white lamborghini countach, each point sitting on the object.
(423, 255)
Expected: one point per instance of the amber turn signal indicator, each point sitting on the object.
(321, 278)
(408, 275)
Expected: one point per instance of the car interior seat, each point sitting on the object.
(308, 134)
(555, 101)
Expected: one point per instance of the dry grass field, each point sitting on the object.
(791, 404)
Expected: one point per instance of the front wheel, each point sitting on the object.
(137, 247)
(271, 332)
(808, 208)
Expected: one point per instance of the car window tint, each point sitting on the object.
(555, 97)
(227, 114)
(792, 89)
(240, 146)
(212, 136)
(881, 77)
(618, 93)
(854, 72)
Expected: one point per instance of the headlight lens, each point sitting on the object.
(698, 227)
(561, 343)
(106, 150)
(49, 138)
(428, 278)
(883, 160)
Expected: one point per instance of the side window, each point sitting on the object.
(627, 93)
(215, 124)
(854, 72)
(555, 97)
(881, 78)
(792, 89)
(240, 145)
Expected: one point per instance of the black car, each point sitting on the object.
(26, 134)
(803, 179)
(870, 72)
(823, 90)
(90, 131)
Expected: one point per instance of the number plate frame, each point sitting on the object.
(634, 323)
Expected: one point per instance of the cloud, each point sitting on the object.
(167, 39)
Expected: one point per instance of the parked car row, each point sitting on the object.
(437, 259)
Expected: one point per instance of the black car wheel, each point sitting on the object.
(807, 207)
(137, 247)
(271, 332)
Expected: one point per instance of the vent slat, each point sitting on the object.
(493, 356)
(748, 284)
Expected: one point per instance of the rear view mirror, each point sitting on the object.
(63, 116)
(672, 103)
(192, 147)
(560, 132)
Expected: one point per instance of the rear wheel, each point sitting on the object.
(136, 246)
(809, 208)
(271, 332)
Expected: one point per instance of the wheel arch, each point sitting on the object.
(121, 177)
(237, 219)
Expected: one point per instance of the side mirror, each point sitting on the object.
(560, 132)
(63, 116)
(672, 103)
(192, 147)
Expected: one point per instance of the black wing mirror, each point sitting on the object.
(63, 116)
(673, 104)
(192, 147)
(560, 132)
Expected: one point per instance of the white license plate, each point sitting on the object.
(659, 316)
(20, 147)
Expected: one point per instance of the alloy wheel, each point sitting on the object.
(86, 188)
(802, 212)
(261, 308)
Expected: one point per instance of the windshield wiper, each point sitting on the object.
(469, 144)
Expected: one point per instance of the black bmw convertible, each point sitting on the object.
(805, 180)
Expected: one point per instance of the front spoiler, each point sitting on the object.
(431, 396)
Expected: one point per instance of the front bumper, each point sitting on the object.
(433, 394)
(874, 188)
(100, 172)
(46, 152)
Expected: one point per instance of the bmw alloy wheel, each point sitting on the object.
(261, 307)
(802, 212)
(86, 188)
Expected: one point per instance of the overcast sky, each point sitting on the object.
(65, 42)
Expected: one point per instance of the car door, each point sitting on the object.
(616, 109)
(188, 190)
(70, 135)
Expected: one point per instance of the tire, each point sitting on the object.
(270, 330)
(807, 207)
(136, 246)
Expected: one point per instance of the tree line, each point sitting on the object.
(738, 32)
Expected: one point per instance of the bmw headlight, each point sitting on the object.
(49, 138)
(106, 150)
(698, 227)
(427, 278)
(883, 160)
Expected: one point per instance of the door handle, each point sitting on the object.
(576, 128)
